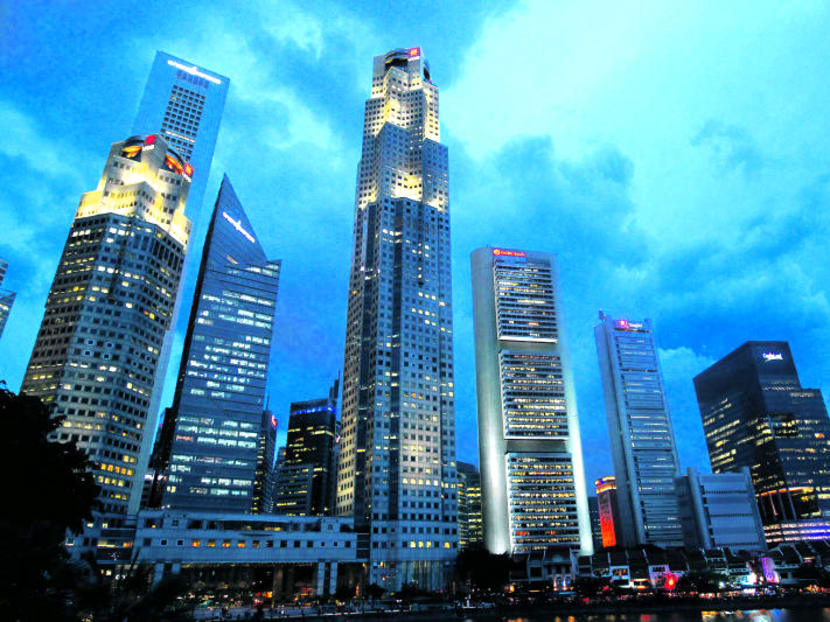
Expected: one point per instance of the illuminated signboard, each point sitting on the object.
(503, 252)
(772, 356)
(626, 325)
(194, 71)
(237, 224)
(413, 52)
(273, 421)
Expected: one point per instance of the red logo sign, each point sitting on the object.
(503, 252)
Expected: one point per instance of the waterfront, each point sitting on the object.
(748, 615)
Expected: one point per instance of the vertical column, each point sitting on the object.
(320, 578)
(333, 578)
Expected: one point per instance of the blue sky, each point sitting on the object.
(674, 155)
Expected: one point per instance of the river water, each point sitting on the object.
(757, 615)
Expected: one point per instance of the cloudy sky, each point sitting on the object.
(674, 155)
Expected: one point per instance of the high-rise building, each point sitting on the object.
(756, 414)
(262, 500)
(397, 454)
(719, 510)
(6, 297)
(642, 440)
(184, 102)
(533, 485)
(470, 528)
(109, 310)
(609, 511)
(306, 482)
(208, 445)
(596, 523)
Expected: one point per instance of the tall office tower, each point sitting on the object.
(6, 297)
(596, 524)
(470, 529)
(208, 444)
(262, 501)
(609, 511)
(110, 308)
(307, 478)
(185, 103)
(642, 439)
(397, 458)
(533, 485)
(719, 510)
(756, 414)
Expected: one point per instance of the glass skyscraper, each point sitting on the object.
(208, 445)
(533, 484)
(6, 297)
(470, 528)
(642, 440)
(262, 501)
(109, 311)
(397, 453)
(185, 103)
(306, 483)
(756, 414)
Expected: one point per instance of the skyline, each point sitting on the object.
(602, 176)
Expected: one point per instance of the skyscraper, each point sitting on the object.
(533, 485)
(306, 483)
(756, 414)
(470, 528)
(6, 297)
(262, 500)
(719, 510)
(208, 444)
(609, 511)
(642, 439)
(596, 524)
(185, 103)
(110, 308)
(397, 457)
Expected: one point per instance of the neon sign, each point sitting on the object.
(413, 52)
(237, 224)
(273, 421)
(503, 252)
(194, 71)
(772, 356)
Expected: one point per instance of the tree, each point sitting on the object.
(701, 582)
(590, 587)
(482, 569)
(374, 591)
(49, 490)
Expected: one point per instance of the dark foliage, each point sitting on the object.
(482, 569)
(50, 490)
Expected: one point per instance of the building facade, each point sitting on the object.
(109, 311)
(533, 485)
(596, 523)
(609, 511)
(262, 498)
(185, 103)
(6, 297)
(719, 510)
(306, 483)
(470, 528)
(756, 414)
(397, 453)
(208, 444)
(642, 439)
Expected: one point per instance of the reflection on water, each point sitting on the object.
(757, 615)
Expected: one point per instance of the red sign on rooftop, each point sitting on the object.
(503, 252)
